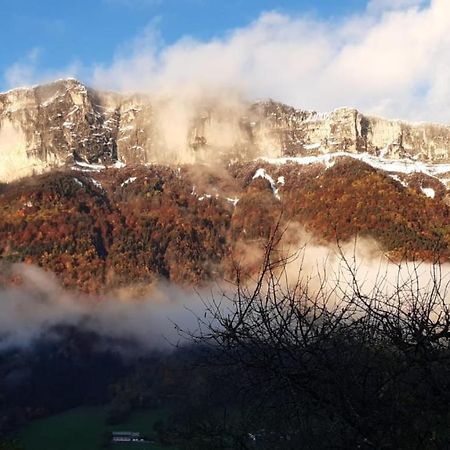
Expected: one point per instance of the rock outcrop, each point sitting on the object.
(63, 122)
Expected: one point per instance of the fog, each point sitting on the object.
(32, 309)
(189, 126)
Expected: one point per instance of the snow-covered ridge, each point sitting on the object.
(406, 166)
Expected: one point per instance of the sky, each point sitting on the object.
(384, 57)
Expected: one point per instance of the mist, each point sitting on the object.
(208, 127)
(31, 311)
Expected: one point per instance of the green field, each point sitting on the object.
(85, 429)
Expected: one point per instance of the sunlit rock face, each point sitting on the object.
(59, 123)
(346, 129)
(48, 126)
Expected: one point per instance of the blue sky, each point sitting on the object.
(384, 57)
(60, 32)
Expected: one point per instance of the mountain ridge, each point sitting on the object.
(59, 123)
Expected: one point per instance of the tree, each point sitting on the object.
(333, 364)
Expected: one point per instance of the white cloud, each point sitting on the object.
(384, 5)
(392, 60)
(23, 71)
(27, 71)
(394, 64)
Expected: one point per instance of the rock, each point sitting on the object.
(56, 124)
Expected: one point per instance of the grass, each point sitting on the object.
(85, 429)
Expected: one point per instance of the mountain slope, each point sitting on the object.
(136, 188)
(99, 230)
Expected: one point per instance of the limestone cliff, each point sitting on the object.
(62, 122)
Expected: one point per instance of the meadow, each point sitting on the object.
(87, 428)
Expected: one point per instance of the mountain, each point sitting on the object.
(142, 189)
(63, 122)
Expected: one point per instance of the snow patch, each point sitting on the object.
(406, 166)
(312, 146)
(127, 128)
(128, 181)
(73, 110)
(261, 173)
(233, 200)
(97, 183)
(119, 165)
(429, 192)
(86, 167)
(397, 178)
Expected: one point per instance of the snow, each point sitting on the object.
(261, 173)
(233, 200)
(89, 167)
(384, 151)
(429, 192)
(128, 181)
(312, 146)
(127, 128)
(97, 184)
(281, 181)
(397, 178)
(119, 165)
(78, 182)
(73, 111)
(406, 166)
(316, 117)
(50, 100)
(329, 164)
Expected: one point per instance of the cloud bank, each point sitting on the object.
(34, 309)
(30, 311)
(392, 60)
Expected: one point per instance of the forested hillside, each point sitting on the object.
(99, 230)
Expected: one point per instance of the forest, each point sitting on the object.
(104, 231)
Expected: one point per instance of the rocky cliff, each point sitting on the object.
(65, 122)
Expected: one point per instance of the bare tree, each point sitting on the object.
(336, 363)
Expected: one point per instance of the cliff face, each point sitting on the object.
(346, 129)
(56, 124)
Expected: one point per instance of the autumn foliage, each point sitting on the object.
(104, 230)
